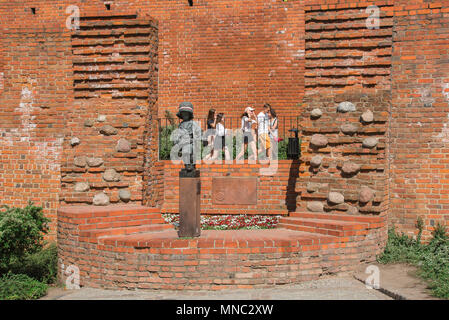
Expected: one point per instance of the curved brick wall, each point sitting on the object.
(217, 260)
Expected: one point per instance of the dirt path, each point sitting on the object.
(399, 281)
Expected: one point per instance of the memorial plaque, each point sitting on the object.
(234, 190)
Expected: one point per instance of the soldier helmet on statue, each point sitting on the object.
(184, 108)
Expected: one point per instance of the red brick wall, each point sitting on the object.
(419, 134)
(114, 64)
(276, 194)
(227, 54)
(218, 54)
(35, 96)
(346, 62)
(50, 87)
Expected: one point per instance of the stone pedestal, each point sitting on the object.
(189, 205)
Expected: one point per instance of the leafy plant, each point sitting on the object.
(439, 232)
(282, 149)
(420, 226)
(21, 287)
(432, 259)
(165, 144)
(41, 265)
(21, 233)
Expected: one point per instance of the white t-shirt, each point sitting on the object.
(263, 123)
(246, 124)
(220, 130)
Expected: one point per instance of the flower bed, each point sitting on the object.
(230, 222)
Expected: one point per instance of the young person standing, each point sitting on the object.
(211, 123)
(263, 125)
(248, 122)
(219, 140)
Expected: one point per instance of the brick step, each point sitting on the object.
(313, 236)
(341, 217)
(326, 223)
(89, 217)
(116, 223)
(96, 233)
(125, 217)
(87, 211)
(329, 227)
(301, 228)
(322, 231)
(169, 239)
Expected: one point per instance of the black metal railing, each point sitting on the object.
(168, 124)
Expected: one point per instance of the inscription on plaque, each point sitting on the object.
(234, 190)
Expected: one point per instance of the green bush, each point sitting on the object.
(282, 149)
(165, 144)
(21, 287)
(21, 233)
(432, 259)
(41, 265)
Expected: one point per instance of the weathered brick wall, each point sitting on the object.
(58, 89)
(229, 54)
(115, 92)
(420, 106)
(226, 55)
(347, 100)
(33, 101)
(257, 58)
(276, 194)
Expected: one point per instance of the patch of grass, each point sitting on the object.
(432, 259)
(21, 287)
